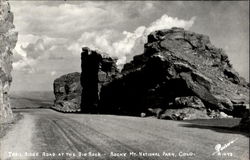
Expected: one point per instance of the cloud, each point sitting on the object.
(100, 40)
(166, 22)
(45, 35)
(53, 38)
(35, 48)
(81, 23)
(58, 52)
(54, 19)
(25, 65)
(128, 43)
(53, 73)
(41, 46)
(57, 21)
(16, 56)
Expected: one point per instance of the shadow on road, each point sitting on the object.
(221, 125)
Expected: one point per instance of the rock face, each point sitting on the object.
(67, 90)
(98, 69)
(190, 107)
(8, 39)
(182, 74)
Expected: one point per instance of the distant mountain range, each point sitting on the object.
(31, 99)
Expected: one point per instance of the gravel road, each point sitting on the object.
(47, 134)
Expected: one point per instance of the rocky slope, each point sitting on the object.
(8, 39)
(67, 90)
(180, 75)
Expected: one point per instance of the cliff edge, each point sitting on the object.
(8, 39)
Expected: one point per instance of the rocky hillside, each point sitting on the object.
(67, 90)
(8, 39)
(180, 75)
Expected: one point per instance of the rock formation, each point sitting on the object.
(8, 39)
(98, 69)
(181, 74)
(67, 90)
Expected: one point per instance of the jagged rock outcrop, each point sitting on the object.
(98, 69)
(190, 107)
(181, 73)
(67, 90)
(8, 39)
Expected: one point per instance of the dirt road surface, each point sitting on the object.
(47, 134)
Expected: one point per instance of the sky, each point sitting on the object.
(52, 33)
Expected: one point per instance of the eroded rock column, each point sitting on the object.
(8, 39)
(97, 70)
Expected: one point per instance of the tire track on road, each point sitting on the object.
(108, 144)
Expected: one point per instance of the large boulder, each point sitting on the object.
(67, 90)
(184, 108)
(180, 71)
(8, 39)
(98, 69)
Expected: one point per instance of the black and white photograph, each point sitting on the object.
(124, 80)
